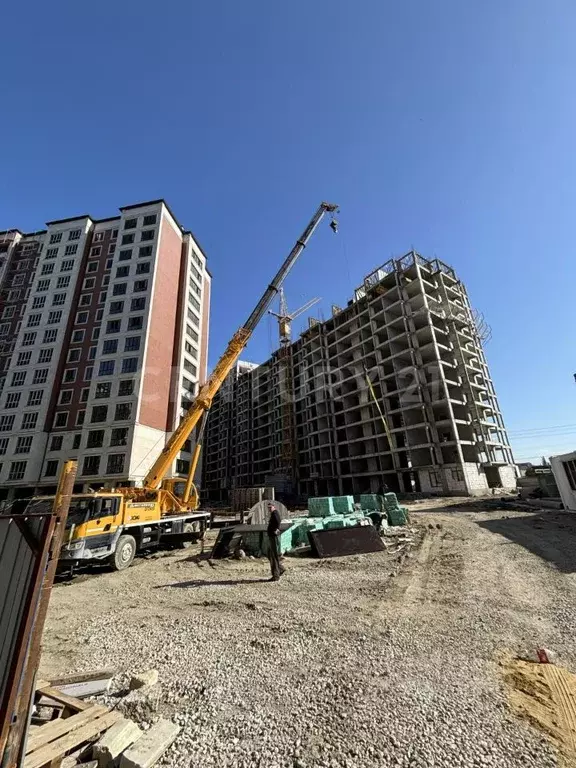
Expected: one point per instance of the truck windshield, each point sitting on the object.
(80, 508)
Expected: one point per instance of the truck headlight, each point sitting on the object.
(74, 546)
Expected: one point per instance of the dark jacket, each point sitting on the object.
(274, 522)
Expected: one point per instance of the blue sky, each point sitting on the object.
(447, 126)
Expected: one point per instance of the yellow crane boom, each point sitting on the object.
(203, 400)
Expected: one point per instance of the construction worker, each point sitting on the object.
(273, 549)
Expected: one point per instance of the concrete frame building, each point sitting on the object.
(103, 342)
(307, 421)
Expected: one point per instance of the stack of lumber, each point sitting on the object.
(77, 731)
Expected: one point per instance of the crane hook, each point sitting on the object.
(334, 225)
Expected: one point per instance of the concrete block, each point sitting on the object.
(144, 679)
(121, 736)
(151, 746)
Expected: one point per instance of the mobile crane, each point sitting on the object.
(115, 524)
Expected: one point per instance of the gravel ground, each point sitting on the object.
(372, 660)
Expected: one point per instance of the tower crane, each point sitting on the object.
(285, 318)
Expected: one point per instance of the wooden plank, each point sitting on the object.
(69, 701)
(81, 677)
(86, 688)
(65, 743)
(55, 729)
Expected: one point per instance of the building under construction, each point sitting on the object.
(393, 390)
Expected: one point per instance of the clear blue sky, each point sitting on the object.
(447, 125)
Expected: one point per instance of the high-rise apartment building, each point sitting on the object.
(103, 343)
(307, 419)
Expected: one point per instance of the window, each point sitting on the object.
(24, 444)
(18, 378)
(89, 284)
(91, 465)
(119, 437)
(140, 285)
(74, 235)
(18, 280)
(8, 313)
(65, 397)
(23, 358)
(51, 253)
(190, 349)
(88, 373)
(4, 329)
(434, 478)
(29, 420)
(113, 326)
(111, 248)
(191, 368)
(17, 470)
(63, 282)
(56, 238)
(116, 307)
(45, 355)
(147, 235)
(110, 347)
(40, 376)
(570, 470)
(92, 267)
(28, 339)
(457, 474)
(38, 302)
(15, 295)
(145, 250)
(61, 419)
(50, 336)
(54, 317)
(102, 297)
(137, 305)
(78, 337)
(122, 271)
(95, 250)
(13, 399)
(95, 334)
(67, 266)
(127, 239)
(126, 387)
(81, 317)
(182, 466)
(56, 443)
(6, 423)
(4, 444)
(103, 390)
(106, 368)
(70, 251)
(51, 468)
(34, 319)
(132, 344)
(195, 303)
(58, 299)
(125, 255)
(35, 397)
(85, 300)
(114, 234)
(149, 220)
(43, 285)
(95, 438)
(92, 353)
(130, 223)
(195, 288)
(192, 317)
(70, 375)
(115, 464)
(108, 266)
(123, 411)
(99, 413)
(76, 442)
(129, 365)
(80, 418)
(74, 355)
(119, 289)
(98, 237)
(135, 323)
(84, 395)
(47, 269)
(142, 269)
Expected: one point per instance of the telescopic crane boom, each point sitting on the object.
(203, 401)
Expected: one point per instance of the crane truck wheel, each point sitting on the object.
(124, 553)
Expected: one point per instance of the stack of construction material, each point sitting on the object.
(371, 502)
(397, 515)
(343, 505)
(321, 506)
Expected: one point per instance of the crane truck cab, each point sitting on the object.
(111, 526)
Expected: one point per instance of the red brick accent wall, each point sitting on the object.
(154, 408)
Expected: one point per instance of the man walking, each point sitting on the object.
(273, 548)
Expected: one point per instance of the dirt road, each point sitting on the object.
(352, 662)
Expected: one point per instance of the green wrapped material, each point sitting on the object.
(397, 515)
(321, 506)
(343, 505)
(372, 502)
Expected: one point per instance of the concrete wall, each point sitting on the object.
(567, 493)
